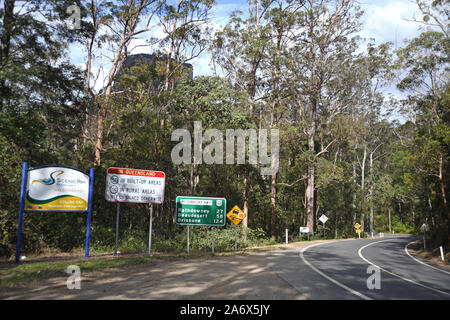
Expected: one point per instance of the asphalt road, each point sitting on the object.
(331, 270)
(341, 270)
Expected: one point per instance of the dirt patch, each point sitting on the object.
(432, 256)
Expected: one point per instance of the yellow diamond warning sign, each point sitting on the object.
(236, 215)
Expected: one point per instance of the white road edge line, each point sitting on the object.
(394, 274)
(421, 262)
(327, 277)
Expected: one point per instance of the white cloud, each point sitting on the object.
(386, 21)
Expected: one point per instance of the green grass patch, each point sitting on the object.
(29, 272)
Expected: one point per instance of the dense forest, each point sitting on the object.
(347, 149)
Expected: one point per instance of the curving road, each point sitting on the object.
(342, 269)
(332, 270)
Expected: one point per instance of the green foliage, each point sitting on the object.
(275, 77)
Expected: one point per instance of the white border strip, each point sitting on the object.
(394, 274)
(329, 278)
(421, 262)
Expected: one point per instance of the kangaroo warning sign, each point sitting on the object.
(134, 185)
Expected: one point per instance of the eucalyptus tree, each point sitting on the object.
(114, 25)
(425, 65)
(39, 93)
(237, 52)
(184, 26)
(320, 64)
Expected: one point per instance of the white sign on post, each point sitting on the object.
(304, 230)
(323, 218)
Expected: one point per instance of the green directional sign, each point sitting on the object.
(200, 211)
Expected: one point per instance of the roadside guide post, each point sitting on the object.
(424, 228)
(236, 215)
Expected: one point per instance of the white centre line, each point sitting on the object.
(359, 294)
(394, 274)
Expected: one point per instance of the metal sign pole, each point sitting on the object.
(150, 230)
(324, 230)
(117, 228)
(235, 238)
(212, 240)
(21, 208)
(188, 239)
(88, 224)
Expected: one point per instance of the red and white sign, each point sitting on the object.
(134, 185)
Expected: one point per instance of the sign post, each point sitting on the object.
(55, 188)
(304, 230)
(21, 207)
(150, 230)
(323, 218)
(212, 240)
(135, 186)
(236, 215)
(200, 211)
(188, 239)
(89, 217)
(117, 228)
(357, 229)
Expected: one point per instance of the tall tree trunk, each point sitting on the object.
(171, 46)
(100, 131)
(363, 169)
(8, 22)
(245, 209)
(309, 193)
(443, 191)
(370, 192)
(276, 105)
(5, 43)
(354, 191)
(389, 218)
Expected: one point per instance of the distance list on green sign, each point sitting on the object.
(200, 211)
